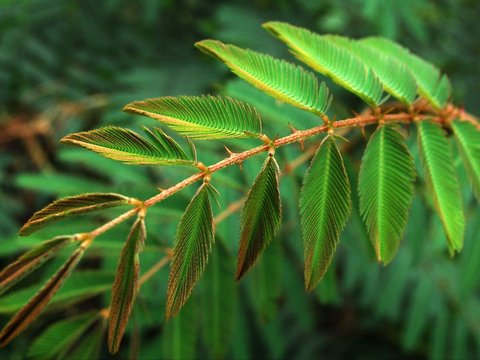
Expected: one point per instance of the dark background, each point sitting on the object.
(68, 66)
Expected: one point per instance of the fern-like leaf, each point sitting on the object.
(440, 174)
(282, 80)
(125, 287)
(324, 207)
(31, 260)
(127, 146)
(193, 244)
(60, 337)
(260, 216)
(201, 117)
(385, 188)
(431, 84)
(37, 304)
(72, 205)
(325, 56)
(396, 78)
(468, 141)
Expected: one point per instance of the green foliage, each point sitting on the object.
(278, 78)
(125, 286)
(260, 216)
(323, 54)
(193, 244)
(468, 140)
(202, 117)
(125, 145)
(438, 163)
(69, 206)
(385, 187)
(324, 206)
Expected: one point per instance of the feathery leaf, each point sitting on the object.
(125, 287)
(31, 260)
(69, 206)
(324, 207)
(282, 80)
(322, 54)
(385, 188)
(60, 337)
(193, 244)
(35, 306)
(260, 216)
(438, 162)
(201, 117)
(127, 146)
(431, 84)
(396, 78)
(468, 141)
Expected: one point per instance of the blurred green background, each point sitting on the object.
(68, 66)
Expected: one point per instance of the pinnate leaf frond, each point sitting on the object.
(193, 244)
(282, 80)
(201, 117)
(468, 141)
(72, 205)
(260, 216)
(125, 286)
(322, 54)
(58, 339)
(431, 84)
(385, 188)
(325, 205)
(437, 159)
(127, 146)
(31, 260)
(28, 313)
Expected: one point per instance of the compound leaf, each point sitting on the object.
(431, 84)
(468, 141)
(201, 117)
(322, 54)
(193, 244)
(324, 207)
(31, 260)
(127, 146)
(260, 216)
(125, 286)
(69, 206)
(282, 80)
(438, 163)
(60, 337)
(385, 188)
(35, 306)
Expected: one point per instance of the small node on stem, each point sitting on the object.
(142, 211)
(105, 313)
(207, 175)
(85, 239)
(266, 140)
(136, 202)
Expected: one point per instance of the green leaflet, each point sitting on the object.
(260, 216)
(72, 205)
(202, 117)
(385, 188)
(325, 56)
(431, 84)
(31, 260)
(219, 301)
(37, 304)
(324, 207)
(282, 80)
(60, 337)
(125, 286)
(193, 244)
(127, 146)
(468, 141)
(440, 174)
(396, 78)
(89, 346)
